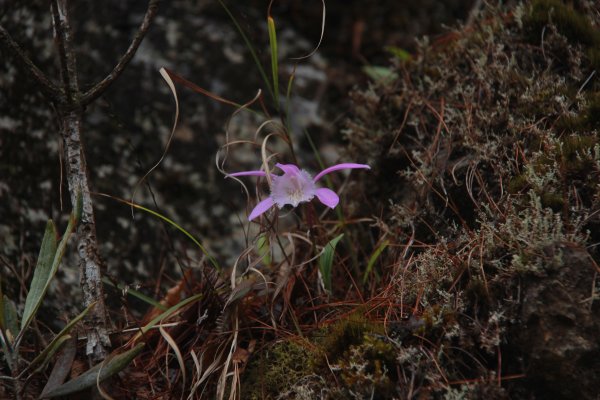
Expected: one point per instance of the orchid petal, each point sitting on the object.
(248, 173)
(338, 167)
(261, 208)
(289, 169)
(327, 197)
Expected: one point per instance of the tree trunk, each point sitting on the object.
(87, 247)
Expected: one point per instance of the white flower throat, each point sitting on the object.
(293, 189)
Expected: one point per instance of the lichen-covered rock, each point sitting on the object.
(486, 161)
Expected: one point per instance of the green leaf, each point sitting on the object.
(54, 345)
(44, 282)
(166, 314)
(274, 61)
(135, 293)
(97, 373)
(62, 366)
(41, 274)
(399, 53)
(181, 229)
(261, 70)
(11, 319)
(373, 259)
(10, 326)
(380, 74)
(49, 352)
(326, 260)
(263, 248)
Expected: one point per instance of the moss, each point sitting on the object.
(336, 339)
(276, 369)
(587, 119)
(368, 367)
(552, 200)
(593, 54)
(570, 23)
(517, 184)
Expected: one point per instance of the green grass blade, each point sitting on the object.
(41, 274)
(274, 60)
(166, 314)
(180, 229)
(47, 353)
(373, 259)
(44, 358)
(326, 260)
(250, 48)
(97, 373)
(288, 100)
(135, 293)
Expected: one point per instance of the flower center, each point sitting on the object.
(292, 189)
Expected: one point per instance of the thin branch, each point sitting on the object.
(46, 86)
(63, 37)
(101, 86)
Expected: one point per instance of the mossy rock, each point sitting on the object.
(486, 152)
(278, 368)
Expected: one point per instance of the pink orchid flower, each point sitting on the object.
(296, 186)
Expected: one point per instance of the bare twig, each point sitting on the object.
(46, 86)
(101, 86)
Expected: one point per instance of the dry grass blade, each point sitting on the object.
(320, 37)
(167, 78)
(169, 339)
(198, 89)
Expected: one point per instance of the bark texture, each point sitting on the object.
(90, 264)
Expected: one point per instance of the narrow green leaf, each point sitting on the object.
(8, 330)
(373, 260)
(380, 74)
(135, 293)
(97, 373)
(41, 274)
(288, 100)
(166, 314)
(263, 248)
(274, 60)
(47, 353)
(250, 48)
(58, 254)
(62, 366)
(399, 53)
(181, 229)
(326, 260)
(11, 319)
